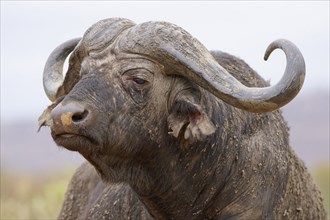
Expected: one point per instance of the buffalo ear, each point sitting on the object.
(187, 118)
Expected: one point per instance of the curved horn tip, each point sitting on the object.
(281, 44)
(52, 75)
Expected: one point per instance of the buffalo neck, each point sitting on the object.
(182, 186)
(192, 183)
(186, 179)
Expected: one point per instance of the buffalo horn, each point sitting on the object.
(96, 38)
(186, 56)
(52, 75)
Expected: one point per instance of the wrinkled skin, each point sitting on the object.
(88, 197)
(166, 148)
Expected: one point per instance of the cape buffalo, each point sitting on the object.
(173, 131)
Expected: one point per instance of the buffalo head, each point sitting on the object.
(131, 89)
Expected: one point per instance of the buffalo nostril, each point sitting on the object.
(69, 113)
(79, 116)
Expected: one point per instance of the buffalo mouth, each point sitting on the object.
(73, 141)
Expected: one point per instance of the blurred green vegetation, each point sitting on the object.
(321, 175)
(26, 197)
(33, 197)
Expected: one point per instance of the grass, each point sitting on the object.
(26, 197)
(321, 176)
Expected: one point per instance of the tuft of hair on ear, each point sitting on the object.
(187, 119)
(45, 119)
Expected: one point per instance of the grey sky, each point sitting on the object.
(31, 30)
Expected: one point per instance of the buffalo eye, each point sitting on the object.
(138, 78)
(139, 81)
